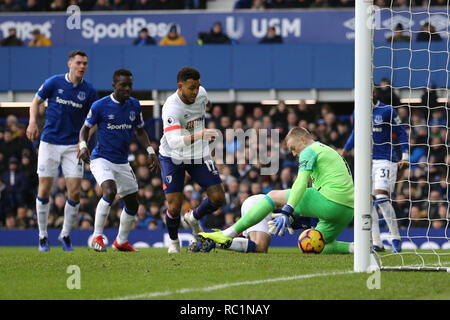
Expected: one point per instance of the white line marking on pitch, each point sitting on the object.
(227, 285)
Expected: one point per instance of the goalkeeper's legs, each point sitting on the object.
(257, 213)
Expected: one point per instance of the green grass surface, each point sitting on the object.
(282, 274)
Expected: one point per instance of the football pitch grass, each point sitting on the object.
(282, 274)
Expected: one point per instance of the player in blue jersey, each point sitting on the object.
(69, 99)
(117, 116)
(385, 164)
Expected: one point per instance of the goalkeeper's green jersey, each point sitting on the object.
(330, 174)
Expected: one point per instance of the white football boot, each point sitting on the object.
(193, 223)
(174, 246)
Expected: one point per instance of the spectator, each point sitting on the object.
(39, 40)
(166, 4)
(143, 217)
(279, 113)
(277, 4)
(173, 37)
(142, 5)
(271, 36)
(10, 221)
(319, 4)
(120, 5)
(428, 33)
(12, 40)
(58, 5)
(16, 183)
(144, 39)
(101, 5)
(429, 97)
(33, 6)
(10, 6)
(242, 4)
(215, 36)
(398, 35)
(342, 3)
(300, 3)
(258, 5)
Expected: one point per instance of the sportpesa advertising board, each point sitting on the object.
(244, 27)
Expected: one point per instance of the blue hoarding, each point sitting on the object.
(244, 27)
(415, 238)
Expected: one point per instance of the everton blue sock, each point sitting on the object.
(205, 207)
(173, 223)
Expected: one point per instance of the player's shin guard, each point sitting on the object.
(101, 214)
(205, 207)
(258, 212)
(389, 215)
(70, 214)
(173, 224)
(127, 219)
(42, 209)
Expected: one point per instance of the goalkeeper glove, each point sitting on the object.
(279, 224)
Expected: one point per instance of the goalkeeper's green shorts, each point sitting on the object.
(333, 217)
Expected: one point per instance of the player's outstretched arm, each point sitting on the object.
(83, 151)
(33, 130)
(143, 139)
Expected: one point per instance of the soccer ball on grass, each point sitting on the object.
(311, 241)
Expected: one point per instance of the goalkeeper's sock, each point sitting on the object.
(70, 214)
(127, 219)
(205, 207)
(389, 214)
(337, 247)
(101, 214)
(242, 245)
(42, 209)
(173, 224)
(258, 212)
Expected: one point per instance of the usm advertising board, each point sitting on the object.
(243, 27)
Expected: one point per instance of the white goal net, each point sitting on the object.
(411, 73)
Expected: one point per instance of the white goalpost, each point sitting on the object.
(404, 52)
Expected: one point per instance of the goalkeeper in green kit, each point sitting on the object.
(330, 199)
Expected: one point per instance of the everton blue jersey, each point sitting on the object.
(116, 123)
(66, 110)
(386, 123)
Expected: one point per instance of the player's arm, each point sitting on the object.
(41, 95)
(143, 139)
(33, 130)
(83, 150)
(90, 123)
(175, 136)
(400, 131)
(349, 144)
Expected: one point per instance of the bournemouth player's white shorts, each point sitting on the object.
(122, 174)
(52, 155)
(384, 175)
(261, 226)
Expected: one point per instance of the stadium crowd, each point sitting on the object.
(421, 193)
(110, 5)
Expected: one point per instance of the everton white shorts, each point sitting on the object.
(384, 175)
(52, 155)
(122, 174)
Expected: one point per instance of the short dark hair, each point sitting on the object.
(121, 72)
(74, 53)
(186, 73)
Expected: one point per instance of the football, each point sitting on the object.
(311, 241)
